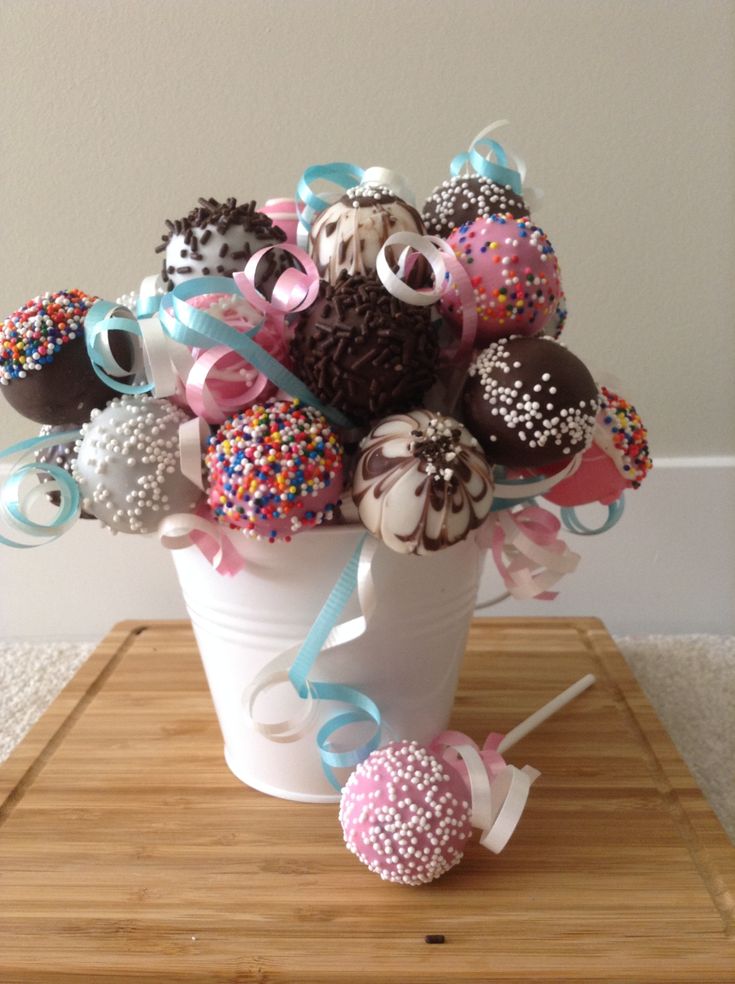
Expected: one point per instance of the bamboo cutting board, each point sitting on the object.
(128, 852)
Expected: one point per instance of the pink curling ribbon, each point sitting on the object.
(294, 291)
(528, 553)
(220, 382)
(181, 530)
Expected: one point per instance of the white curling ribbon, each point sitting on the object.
(275, 672)
(431, 248)
(157, 357)
(389, 179)
(28, 501)
(564, 562)
(509, 790)
(496, 805)
(192, 437)
(102, 345)
(174, 533)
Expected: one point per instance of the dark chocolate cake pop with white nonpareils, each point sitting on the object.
(529, 401)
(421, 482)
(363, 351)
(217, 239)
(349, 234)
(467, 197)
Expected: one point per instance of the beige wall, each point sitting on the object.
(116, 115)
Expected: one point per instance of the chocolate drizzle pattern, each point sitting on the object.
(350, 233)
(421, 482)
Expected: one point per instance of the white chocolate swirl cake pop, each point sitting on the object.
(421, 482)
(349, 234)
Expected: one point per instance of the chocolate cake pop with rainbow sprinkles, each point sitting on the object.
(274, 470)
(45, 372)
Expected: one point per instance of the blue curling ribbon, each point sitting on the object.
(365, 709)
(70, 504)
(197, 329)
(572, 522)
(146, 307)
(97, 323)
(338, 172)
(498, 171)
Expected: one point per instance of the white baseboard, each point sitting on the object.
(668, 567)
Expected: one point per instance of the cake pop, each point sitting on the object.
(348, 235)
(617, 459)
(217, 239)
(274, 470)
(530, 402)
(467, 197)
(363, 351)
(421, 482)
(45, 371)
(514, 272)
(128, 464)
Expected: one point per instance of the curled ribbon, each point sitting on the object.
(538, 558)
(498, 170)
(295, 663)
(181, 530)
(498, 792)
(309, 203)
(16, 504)
(572, 522)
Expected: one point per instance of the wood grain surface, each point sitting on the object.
(128, 852)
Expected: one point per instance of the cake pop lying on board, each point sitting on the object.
(617, 459)
(421, 482)
(530, 402)
(45, 371)
(407, 810)
(363, 351)
(217, 239)
(128, 464)
(515, 275)
(348, 235)
(274, 470)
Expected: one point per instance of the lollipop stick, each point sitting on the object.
(541, 715)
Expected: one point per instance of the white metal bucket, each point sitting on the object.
(407, 661)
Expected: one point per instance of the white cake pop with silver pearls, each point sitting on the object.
(128, 464)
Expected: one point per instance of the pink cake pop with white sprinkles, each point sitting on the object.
(515, 275)
(405, 814)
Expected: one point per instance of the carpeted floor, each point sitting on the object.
(690, 680)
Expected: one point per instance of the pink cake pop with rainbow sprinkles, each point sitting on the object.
(274, 470)
(618, 458)
(515, 275)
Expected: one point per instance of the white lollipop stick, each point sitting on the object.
(545, 712)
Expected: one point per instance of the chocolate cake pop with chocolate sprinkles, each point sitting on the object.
(467, 197)
(217, 239)
(530, 401)
(361, 350)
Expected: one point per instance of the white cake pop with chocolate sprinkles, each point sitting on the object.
(405, 814)
(128, 464)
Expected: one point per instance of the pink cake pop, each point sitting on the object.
(514, 272)
(407, 811)
(274, 470)
(617, 459)
(406, 814)
(282, 213)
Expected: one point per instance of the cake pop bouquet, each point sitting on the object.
(341, 358)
